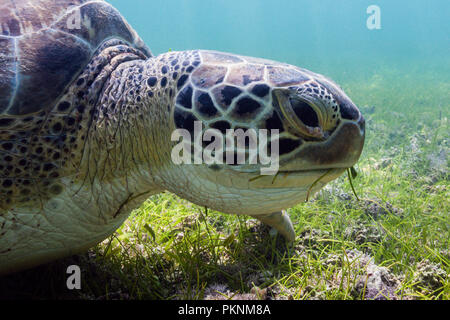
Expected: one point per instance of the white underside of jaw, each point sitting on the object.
(234, 193)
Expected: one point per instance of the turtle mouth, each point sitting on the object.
(297, 178)
(308, 170)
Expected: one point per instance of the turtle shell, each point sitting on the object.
(45, 44)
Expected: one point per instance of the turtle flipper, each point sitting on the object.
(280, 222)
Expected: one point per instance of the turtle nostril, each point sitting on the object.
(305, 112)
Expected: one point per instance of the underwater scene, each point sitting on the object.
(378, 230)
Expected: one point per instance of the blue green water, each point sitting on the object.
(328, 36)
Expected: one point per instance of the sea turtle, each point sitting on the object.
(88, 115)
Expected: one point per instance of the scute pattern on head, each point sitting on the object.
(214, 57)
(234, 92)
(208, 76)
(242, 75)
(278, 76)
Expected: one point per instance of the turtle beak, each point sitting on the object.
(341, 150)
(344, 146)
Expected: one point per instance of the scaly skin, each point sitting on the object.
(120, 151)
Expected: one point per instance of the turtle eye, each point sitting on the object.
(304, 112)
(303, 118)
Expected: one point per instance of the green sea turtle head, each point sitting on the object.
(263, 134)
